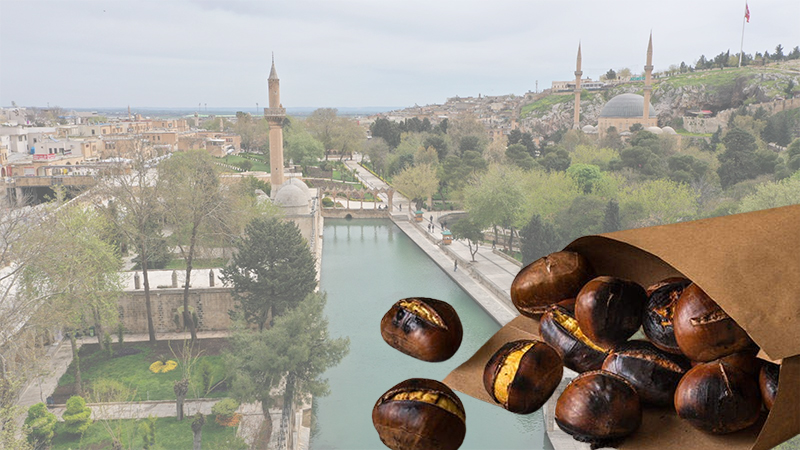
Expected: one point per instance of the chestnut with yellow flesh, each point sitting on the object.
(423, 311)
(420, 414)
(522, 375)
(571, 325)
(559, 328)
(507, 373)
(425, 328)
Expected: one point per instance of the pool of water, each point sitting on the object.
(368, 265)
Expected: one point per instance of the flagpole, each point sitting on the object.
(741, 48)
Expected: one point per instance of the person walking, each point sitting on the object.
(455, 265)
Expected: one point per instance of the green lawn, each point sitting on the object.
(343, 176)
(234, 160)
(210, 263)
(544, 104)
(134, 371)
(170, 435)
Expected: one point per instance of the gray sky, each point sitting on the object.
(178, 53)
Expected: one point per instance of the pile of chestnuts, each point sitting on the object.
(695, 359)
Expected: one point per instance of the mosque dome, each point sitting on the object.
(625, 105)
(296, 182)
(669, 130)
(588, 129)
(654, 130)
(291, 196)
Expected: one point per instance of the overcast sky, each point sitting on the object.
(178, 53)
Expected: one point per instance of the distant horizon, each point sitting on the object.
(217, 110)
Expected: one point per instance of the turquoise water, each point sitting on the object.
(367, 265)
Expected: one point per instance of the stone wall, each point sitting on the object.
(710, 124)
(210, 304)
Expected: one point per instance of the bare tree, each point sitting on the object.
(131, 183)
(193, 202)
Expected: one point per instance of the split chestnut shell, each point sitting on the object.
(424, 328)
(652, 372)
(559, 328)
(598, 407)
(549, 280)
(718, 398)
(420, 414)
(522, 375)
(704, 331)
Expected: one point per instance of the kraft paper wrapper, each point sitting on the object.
(748, 263)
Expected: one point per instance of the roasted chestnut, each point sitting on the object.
(559, 328)
(768, 382)
(598, 407)
(718, 397)
(704, 331)
(609, 310)
(652, 372)
(522, 375)
(548, 280)
(424, 328)
(420, 414)
(657, 319)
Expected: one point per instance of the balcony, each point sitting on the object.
(274, 113)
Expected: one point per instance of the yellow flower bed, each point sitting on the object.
(159, 367)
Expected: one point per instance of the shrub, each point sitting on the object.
(42, 424)
(78, 416)
(327, 202)
(225, 411)
(104, 390)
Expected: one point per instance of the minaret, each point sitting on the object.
(275, 115)
(576, 123)
(648, 72)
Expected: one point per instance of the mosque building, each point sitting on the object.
(624, 110)
(298, 202)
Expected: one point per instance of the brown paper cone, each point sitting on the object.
(748, 263)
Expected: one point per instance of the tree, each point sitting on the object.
(611, 75)
(558, 160)
(335, 132)
(181, 387)
(586, 175)
(417, 183)
(135, 190)
(197, 431)
(296, 351)
(611, 220)
(42, 424)
(271, 271)
(772, 195)
(378, 152)
(467, 229)
(302, 148)
(79, 276)
(539, 239)
(495, 199)
(738, 161)
(386, 129)
(195, 207)
(518, 155)
(657, 202)
(78, 416)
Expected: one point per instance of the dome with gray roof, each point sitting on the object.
(625, 105)
(296, 182)
(291, 196)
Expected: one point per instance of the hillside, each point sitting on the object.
(714, 90)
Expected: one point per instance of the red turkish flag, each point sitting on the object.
(747, 12)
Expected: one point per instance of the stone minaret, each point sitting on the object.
(648, 73)
(275, 115)
(578, 73)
